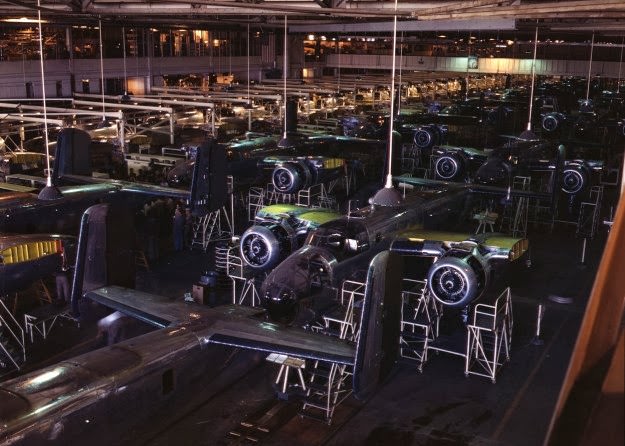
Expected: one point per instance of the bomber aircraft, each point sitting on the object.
(36, 229)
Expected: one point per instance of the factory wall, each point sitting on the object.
(22, 79)
(484, 65)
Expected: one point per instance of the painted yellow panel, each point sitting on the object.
(30, 251)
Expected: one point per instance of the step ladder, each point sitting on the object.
(317, 196)
(330, 383)
(272, 196)
(489, 337)
(216, 225)
(410, 156)
(589, 212)
(141, 260)
(255, 201)
(541, 211)
(244, 289)
(420, 321)
(516, 215)
(12, 342)
(43, 292)
(211, 227)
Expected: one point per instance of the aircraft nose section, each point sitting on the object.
(281, 303)
(493, 172)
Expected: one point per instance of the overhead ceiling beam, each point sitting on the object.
(409, 25)
(577, 9)
(217, 7)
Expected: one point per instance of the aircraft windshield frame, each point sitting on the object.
(342, 237)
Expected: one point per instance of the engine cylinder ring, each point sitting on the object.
(573, 181)
(423, 138)
(452, 282)
(447, 167)
(260, 247)
(550, 123)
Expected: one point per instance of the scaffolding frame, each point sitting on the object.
(489, 335)
(420, 319)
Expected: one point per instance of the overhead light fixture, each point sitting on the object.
(23, 20)
(442, 36)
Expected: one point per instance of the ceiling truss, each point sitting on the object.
(588, 15)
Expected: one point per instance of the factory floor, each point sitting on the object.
(438, 406)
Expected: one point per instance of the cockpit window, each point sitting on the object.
(342, 238)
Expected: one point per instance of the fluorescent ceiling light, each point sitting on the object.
(23, 20)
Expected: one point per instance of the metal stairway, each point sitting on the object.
(330, 383)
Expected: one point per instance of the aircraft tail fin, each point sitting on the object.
(73, 154)
(377, 348)
(104, 256)
(208, 185)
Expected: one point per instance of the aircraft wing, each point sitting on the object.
(232, 325)
(407, 181)
(430, 242)
(127, 186)
(17, 187)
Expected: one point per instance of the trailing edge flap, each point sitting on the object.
(233, 325)
(127, 186)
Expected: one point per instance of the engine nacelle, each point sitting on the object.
(575, 178)
(427, 136)
(291, 176)
(458, 278)
(263, 246)
(450, 166)
(552, 121)
(281, 303)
